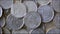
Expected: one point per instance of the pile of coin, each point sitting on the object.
(29, 17)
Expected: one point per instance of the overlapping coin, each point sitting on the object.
(46, 12)
(32, 20)
(53, 31)
(1, 11)
(6, 4)
(36, 31)
(23, 31)
(14, 23)
(2, 22)
(56, 20)
(18, 10)
(31, 6)
(56, 5)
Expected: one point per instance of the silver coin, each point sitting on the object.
(31, 6)
(46, 12)
(2, 22)
(56, 20)
(14, 23)
(56, 5)
(0, 31)
(6, 4)
(23, 31)
(1, 11)
(43, 2)
(53, 31)
(6, 31)
(36, 31)
(32, 20)
(18, 10)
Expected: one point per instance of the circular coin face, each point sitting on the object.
(43, 2)
(20, 32)
(31, 6)
(56, 5)
(2, 22)
(32, 20)
(0, 31)
(46, 12)
(18, 10)
(36, 31)
(14, 23)
(0, 11)
(56, 20)
(6, 4)
(6, 31)
(53, 31)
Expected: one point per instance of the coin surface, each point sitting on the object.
(23, 31)
(0, 31)
(1, 11)
(32, 20)
(6, 31)
(6, 4)
(56, 20)
(31, 6)
(36, 31)
(14, 23)
(46, 12)
(56, 5)
(18, 10)
(2, 22)
(53, 31)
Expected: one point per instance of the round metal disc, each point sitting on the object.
(43, 2)
(6, 4)
(32, 20)
(18, 10)
(36, 31)
(0, 11)
(6, 31)
(14, 23)
(53, 31)
(56, 20)
(2, 22)
(31, 6)
(46, 12)
(56, 5)
(0, 31)
(20, 32)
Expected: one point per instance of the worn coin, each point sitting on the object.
(6, 4)
(32, 20)
(31, 6)
(18, 10)
(1, 11)
(56, 5)
(46, 12)
(14, 23)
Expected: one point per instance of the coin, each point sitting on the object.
(31, 6)
(6, 31)
(32, 20)
(23, 31)
(18, 10)
(36, 31)
(14, 23)
(2, 22)
(0, 31)
(6, 4)
(56, 5)
(1, 11)
(53, 31)
(46, 12)
(56, 20)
